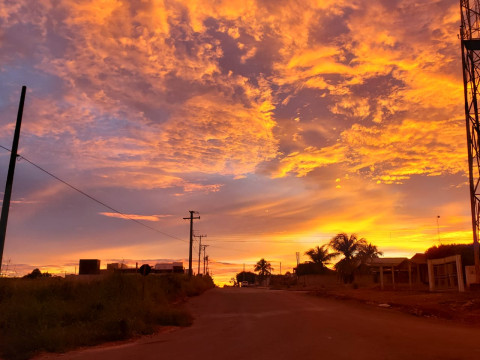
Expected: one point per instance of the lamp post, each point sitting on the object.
(438, 229)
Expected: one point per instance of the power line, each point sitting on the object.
(94, 199)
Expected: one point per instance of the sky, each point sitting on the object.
(282, 123)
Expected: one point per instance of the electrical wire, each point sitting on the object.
(94, 199)
(212, 238)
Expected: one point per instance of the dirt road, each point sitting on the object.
(245, 323)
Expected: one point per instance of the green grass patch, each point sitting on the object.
(56, 314)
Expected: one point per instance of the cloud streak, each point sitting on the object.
(134, 216)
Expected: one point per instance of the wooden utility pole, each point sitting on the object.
(11, 170)
(199, 250)
(204, 257)
(191, 218)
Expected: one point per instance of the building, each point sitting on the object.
(116, 266)
(89, 267)
(174, 267)
(395, 271)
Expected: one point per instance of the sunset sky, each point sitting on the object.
(281, 122)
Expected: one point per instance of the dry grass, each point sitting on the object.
(54, 314)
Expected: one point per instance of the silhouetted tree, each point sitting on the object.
(320, 255)
(246, 276)
(263, 267)
(307, 268)
(441, 251)
(368, 252)
(349, 247)
(36, 273)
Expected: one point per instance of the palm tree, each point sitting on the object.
(263, 267)
(368, 252)
(320, 255)
(349, 247)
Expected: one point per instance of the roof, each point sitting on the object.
(419, 258)
(387, 261)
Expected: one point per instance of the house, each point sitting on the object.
(175, 267)
(399, 270)
(89, 267)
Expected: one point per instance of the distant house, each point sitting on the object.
(89, 267)
(394, 271)
(174, 267)
(116, 266)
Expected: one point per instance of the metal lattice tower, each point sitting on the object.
(470, 38)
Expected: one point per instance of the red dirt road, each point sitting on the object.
(246, 323)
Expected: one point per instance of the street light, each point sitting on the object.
(438, 229)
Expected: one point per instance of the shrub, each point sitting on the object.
(442, 251)
(62, 314)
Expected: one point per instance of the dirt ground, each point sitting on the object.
(451, 305)
(261, 323)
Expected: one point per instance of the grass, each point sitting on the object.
(56, 315)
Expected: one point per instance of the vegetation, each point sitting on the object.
(320, 255)
(263, 267)
(246, 276)
(61, 314)
(320, 258)
(368, 252)
(354, 251)
(36, 273)
(442, 251)
(307, 268)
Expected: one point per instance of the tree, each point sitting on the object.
(349, 247)
(263, 267)
(368, 252)
(441, 251)
(36, 273)
(246, 276)
(309, 267)
(320, 255)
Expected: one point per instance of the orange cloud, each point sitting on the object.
(134, 216)
(389, 154)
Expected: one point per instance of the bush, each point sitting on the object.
(442, 251)
(308, 268)
(62, 314)
(246, 276)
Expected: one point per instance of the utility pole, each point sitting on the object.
(297, 254)
(438, 229)
(11, 170)
(204, 247)
(199, 250)
(191, 218)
